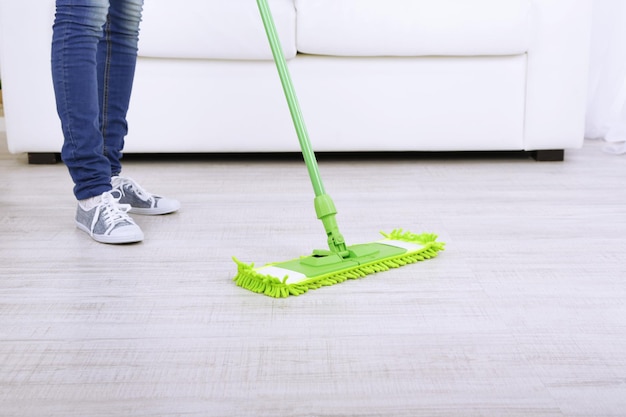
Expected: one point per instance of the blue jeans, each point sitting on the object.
(94, 53)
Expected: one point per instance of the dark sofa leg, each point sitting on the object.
(42, 158)
(549, 155)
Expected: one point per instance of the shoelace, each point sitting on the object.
(139, 191)
(114, 212)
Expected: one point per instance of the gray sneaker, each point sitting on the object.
(140, 200)
(108, 222)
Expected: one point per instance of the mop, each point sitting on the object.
(339, 262)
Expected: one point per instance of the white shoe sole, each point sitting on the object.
(157, 211)
(113, 240)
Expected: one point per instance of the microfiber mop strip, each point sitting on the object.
(250, 278)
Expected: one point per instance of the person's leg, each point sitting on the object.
(117, 58)
(77, 32)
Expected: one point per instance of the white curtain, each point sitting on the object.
(606, 107)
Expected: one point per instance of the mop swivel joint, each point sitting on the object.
(326, 211)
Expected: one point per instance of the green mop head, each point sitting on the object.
(321, 269)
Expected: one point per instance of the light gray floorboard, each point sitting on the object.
(524, 314)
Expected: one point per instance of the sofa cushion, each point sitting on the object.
(413, 27)
(213, 29)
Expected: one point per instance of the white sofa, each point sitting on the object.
(371, 75)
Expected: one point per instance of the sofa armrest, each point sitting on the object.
(25, 48)
(558, 61)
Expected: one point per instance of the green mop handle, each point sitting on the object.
(324, 206)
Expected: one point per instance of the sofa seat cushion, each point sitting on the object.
(213, 29)
(413, 27)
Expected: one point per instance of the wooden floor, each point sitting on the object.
(524, 314)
